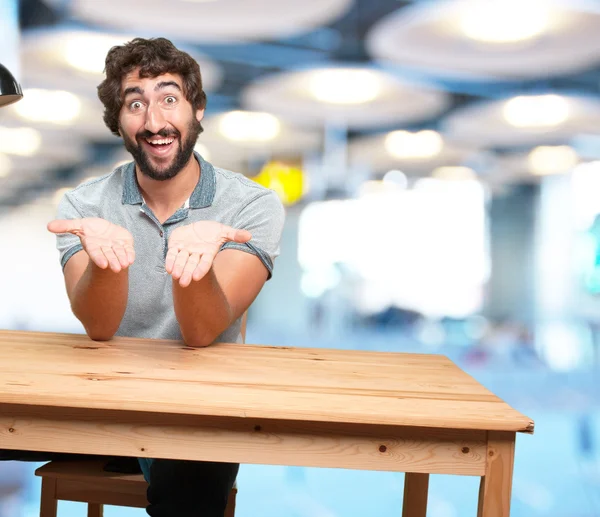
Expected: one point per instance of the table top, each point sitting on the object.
(247, 381)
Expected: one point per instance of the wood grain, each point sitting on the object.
(416, 488)
(85, 492)
(246, 441)
(243, 381)
(496, 486)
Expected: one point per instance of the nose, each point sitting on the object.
(155, 120)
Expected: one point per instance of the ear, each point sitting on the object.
(199, 115)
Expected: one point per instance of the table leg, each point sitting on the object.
(95, 510)
(415, 494)
(496, 486)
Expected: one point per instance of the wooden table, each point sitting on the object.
(412, 413)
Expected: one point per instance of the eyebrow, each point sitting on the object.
(132, 89)
(159, 86)
(164, 84)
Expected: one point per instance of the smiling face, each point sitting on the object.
(158, 124)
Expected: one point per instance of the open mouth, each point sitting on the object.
(160, 146)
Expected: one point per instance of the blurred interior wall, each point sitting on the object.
(511, 289)
(556, 284)
(281, 306)
(32, 289)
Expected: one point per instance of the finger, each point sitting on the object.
(170, 259)
(203, 266)
(121, 255)
(180, 261)
(188, 270)
(130, 250)
(113, 261)
(97, 257)
(65, 226)
(238, 235)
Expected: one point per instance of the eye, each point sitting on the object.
(170, 99)
(135, 105)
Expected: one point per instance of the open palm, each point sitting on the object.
(192, 248)
(106, 243)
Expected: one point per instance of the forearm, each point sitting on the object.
(99, 301)
(202, 310)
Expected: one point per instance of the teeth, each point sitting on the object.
(164, 141)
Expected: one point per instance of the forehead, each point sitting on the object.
(133, 79)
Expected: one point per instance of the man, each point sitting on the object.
(167, 246)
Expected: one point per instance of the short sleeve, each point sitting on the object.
(67, 243)
(263, 217)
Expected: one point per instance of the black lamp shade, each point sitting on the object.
(10, 91)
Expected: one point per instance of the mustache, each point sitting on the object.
(164, 133)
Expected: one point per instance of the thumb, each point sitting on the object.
(65, 226)
(238, 235)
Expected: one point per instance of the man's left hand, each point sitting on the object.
(192, 249)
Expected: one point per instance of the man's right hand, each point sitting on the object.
(105, 243)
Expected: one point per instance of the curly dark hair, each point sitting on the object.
(153, 57)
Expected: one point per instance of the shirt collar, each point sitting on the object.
(202, 196)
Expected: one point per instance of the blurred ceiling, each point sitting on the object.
(414, 85)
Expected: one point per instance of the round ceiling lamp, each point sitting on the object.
(248, 126)
(545, 160)
(353, 97)
(73, 60)
(223, 21)
(413, 153)
(484, 39)
(524, 120)
(509, 21)
(62, 112)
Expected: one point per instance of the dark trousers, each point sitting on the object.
(176, 488)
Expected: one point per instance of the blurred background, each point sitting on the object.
(440, 165)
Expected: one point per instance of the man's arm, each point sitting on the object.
(207, 307)
(98, 296)
(96, 277)
(218, 270)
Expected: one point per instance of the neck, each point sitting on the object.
(165, 197)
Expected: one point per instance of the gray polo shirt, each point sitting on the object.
(220, 195)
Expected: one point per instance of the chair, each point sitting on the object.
(88, 482)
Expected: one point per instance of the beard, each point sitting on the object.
(182, 156)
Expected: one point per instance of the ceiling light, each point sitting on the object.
(457, 173)
(55, 106)
(344, 86)
(5, 165)
(87, 51)
(22, 141)
(420, 145)
(558, 159)
(536, 111)
(249, 126)
(505, 21)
